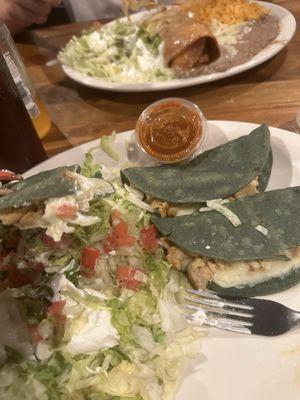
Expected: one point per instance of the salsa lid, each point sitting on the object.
(171, 130)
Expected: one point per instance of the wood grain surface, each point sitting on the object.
(269, 93)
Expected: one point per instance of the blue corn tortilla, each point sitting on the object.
(265, 173)
(53, 183)
(217, 173)
(212, 235)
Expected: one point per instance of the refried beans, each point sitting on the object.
(246, 40)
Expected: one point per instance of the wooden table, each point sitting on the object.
(269, 93)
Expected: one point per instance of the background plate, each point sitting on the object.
(236, 367)
(287, 30)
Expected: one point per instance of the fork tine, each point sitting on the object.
(231, 320)
(221, 311)
(219, 303)
(243, 315)
(214, 311)
(225, 324)
(205, 293)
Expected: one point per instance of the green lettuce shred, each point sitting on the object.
(106, 144)
(119, 52)
(100, 208)
(89, 168)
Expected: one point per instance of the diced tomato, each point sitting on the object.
(119, 236)
(60, 319)
(47, 240)
(66, 211)
(62, 244)
(148, 238)
(113, 243)
(107, 247)
(18, 278)
(122, 241)
(130, 278)
(8, 267)
(4, 282)
(120, 229)
(21, 277)
(115, 216)
(56, 308)
(36, 266)
(4, 254)
(12, 240)
(35, 336)
(89, 257)
(87, 273)
(30, 275)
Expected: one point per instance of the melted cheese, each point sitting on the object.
(251, 273)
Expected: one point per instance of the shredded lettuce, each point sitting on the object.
(33, 380)
(131, 380)
(158, 272)
(106, 144)
(174, 356)
(119, 52)
(89, 168)
(90, 338)
(98, 231)
(139, 309)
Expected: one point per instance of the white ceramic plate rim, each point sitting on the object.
(287, 30)
(236, 367)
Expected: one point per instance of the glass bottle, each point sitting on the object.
(36, 109)
(20, 147)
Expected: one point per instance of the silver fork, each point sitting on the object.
(241, 315)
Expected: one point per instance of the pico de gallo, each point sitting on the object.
(91, 311)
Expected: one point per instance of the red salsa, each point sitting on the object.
(170, 130)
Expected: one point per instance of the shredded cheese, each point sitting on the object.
(133, 196)
(218, 205)
(264, 231)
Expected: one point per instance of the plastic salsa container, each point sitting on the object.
(171, 130)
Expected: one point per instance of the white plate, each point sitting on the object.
(287, 30)
(236, 367)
